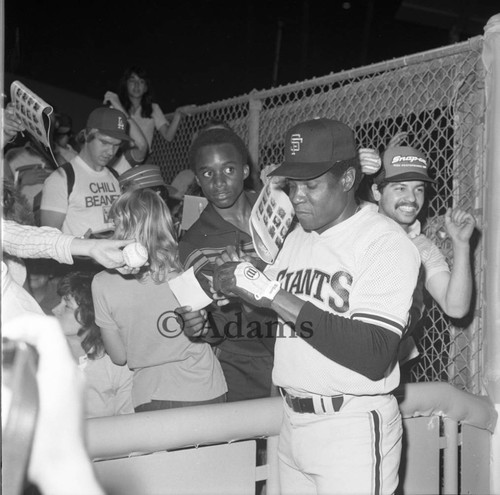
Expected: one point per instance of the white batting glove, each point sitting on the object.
(254, 281)
(247, 282)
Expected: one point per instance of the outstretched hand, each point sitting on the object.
(107, 252)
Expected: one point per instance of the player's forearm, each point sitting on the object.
(287, 305)
(361, 347)
(459, 291)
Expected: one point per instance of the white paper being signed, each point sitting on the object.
(188, 291)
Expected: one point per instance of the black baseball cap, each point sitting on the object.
(314, 147)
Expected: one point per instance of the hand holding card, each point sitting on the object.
(188, 291)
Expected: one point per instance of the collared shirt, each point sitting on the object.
(415, 229)
(26, 241)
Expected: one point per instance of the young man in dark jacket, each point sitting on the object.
(243, 336)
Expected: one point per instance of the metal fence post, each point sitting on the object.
(491, 372)
(255, 106)
(450, 457)
(273, 482)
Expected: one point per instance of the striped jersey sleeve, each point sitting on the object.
(387, 275)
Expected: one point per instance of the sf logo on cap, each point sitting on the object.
(121, 125)
(295, 142)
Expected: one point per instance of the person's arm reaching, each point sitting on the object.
(453, 291)
(107, 252)
(167, 130)
(26, 241)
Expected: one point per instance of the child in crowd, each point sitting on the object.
(138, 320)
(109, 387)
(149, 176)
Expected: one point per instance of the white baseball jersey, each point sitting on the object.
(364, 268)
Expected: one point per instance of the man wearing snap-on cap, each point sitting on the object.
(342, 287)
(78, 197)
(399, 188)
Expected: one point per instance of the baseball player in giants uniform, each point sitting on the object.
(342, 287)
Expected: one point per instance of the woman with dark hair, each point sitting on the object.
(138, 319)
(109, 387)
(136, 96)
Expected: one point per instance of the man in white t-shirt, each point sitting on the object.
(78, 197)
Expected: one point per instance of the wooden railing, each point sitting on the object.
(213, 449)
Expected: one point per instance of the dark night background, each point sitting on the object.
(206, 50)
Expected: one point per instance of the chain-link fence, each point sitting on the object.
(438, 98)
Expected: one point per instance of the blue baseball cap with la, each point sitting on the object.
(314, 147)
(110, 122)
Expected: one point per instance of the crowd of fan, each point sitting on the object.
(139, 350)
(100, 187)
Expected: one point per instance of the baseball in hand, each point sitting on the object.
(135, 255)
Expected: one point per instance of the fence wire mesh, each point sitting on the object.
(436, 97)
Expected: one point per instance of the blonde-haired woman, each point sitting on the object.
(137, 319)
